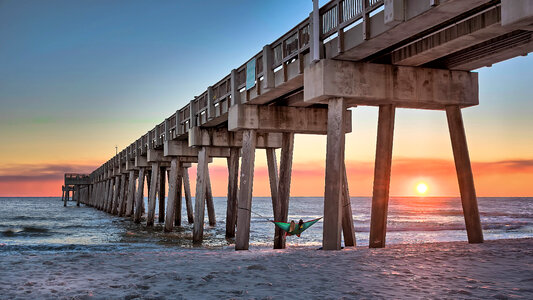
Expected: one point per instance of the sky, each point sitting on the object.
(78, 78)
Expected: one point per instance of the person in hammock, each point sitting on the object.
(291, 227)
(294, 228)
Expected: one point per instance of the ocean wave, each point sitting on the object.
(26, 231)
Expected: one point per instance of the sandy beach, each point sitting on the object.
(498, 269)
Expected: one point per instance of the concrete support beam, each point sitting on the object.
(154, 186)
(233, 179)
(182, 149)
(172, 194)
(281, 119)
(201, 190)
(331, 239)
(517, 14)
(375, 84)
(242, 241)
(153, 155)
(139, 197)
(464, 174)
(141, 162)
(221, 137)
(382, 171)
(131, 193)
(284, 187)
(187, 193)
(162, 192)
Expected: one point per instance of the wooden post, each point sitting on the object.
(98, 196)
(199, 198)
(382, 170)
(131, 193)
(110, 195)
(172, 194)
(334, 175)
(209, 201)
(464, 174)
(139, 197)
(114, 205)
(348, 230)
(188, 200)
(107, 188)
(64, 197)
(249, 140)
(177, 207)
(162, 181)
(284, 185)
(77, 195)
(273, 180)
(121, 208)
(152, 194)
(148, 173)
(105, 184)
(233, 180)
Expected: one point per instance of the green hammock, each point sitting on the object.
(297, 229)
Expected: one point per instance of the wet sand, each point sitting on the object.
(499, 269)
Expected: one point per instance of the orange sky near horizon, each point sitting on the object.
(494, 179)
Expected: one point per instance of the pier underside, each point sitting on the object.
(388, 54)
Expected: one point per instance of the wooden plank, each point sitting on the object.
(284, 185)
(348, 230)
(188, 200)
(382, 171)
(464, 174)
(162, 192)
(139, 197)
(209, 202)
(334, 175)
(233, 180)
(199, 198)
(152, 194)
(172, 194)
(131, 193)
(245, 192)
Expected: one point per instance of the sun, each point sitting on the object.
(422, 188)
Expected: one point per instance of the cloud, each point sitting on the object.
(45, 172)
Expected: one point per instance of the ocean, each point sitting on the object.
(44, 225)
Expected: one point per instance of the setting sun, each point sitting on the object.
(422, 188)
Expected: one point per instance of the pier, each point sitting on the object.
(393, 54)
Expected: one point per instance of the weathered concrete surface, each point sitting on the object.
(281, 119)
(221, 137)
(375, 84)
